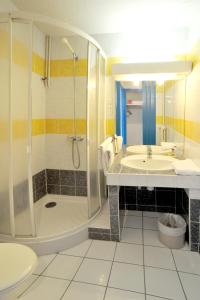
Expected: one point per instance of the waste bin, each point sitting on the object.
(172, 230)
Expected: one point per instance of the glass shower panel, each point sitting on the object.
(101, 125)
(92, 131)
(4, 128)
(20, 102)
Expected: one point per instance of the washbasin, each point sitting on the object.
(142, 149)
(157, 163)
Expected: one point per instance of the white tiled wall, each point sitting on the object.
(38, 104)
(59, 152)
(60, 97)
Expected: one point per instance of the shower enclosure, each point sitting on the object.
(38, 122)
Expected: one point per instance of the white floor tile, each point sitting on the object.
(187, 261)
(130, 235)
(43, 262)
(163, 283)
(158, 257)
(148, 297)
(151, 238)
(25, 285)
(63, 266)
(115, 294)
(94, 271)
(152, 214)
(191, 284)
(84, 291)
(134, 213)
(79, 250)
(102, 250)
(129, 253)
(150, 223)
(46, 288)
(133, 222)
(127, 277)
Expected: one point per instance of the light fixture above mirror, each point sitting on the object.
(170, 70)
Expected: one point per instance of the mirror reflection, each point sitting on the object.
(151, 113)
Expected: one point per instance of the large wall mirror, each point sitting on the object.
(150, 112)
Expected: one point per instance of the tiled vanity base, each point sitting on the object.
(141, 199)
(159, 199)
(195, 224)
(102, 234)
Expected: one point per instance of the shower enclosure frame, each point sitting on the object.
(61, 28)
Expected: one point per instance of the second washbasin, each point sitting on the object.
(157, 163)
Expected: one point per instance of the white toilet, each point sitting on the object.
(17, 263)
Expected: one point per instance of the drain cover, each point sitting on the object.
(50, 204)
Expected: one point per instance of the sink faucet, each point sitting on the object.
(149, 152)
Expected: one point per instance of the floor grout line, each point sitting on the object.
(77, 270)
(143, 257)
(38, 276)
(179, 275)
(110, 270)
(112, 263)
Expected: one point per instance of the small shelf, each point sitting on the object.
(135, 103)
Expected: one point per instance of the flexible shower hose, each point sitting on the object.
(75, 147)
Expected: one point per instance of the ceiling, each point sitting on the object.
(112, 16)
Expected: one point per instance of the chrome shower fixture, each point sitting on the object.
(66, 42)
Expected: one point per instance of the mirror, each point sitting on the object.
(151, 112)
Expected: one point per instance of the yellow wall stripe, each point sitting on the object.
(38, 127)
(110, 126)
(38, 64)
(65, 126)
(159, 120)
(189, 129)
(65, 67)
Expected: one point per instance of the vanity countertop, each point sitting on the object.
(125, 176)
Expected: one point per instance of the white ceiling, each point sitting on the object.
(111, 16)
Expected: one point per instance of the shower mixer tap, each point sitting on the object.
(75, 138)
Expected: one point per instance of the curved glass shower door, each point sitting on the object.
(21, 127)
(92, 132)
(5, 226)
(16, 203)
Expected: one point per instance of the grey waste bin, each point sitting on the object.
(172, 230)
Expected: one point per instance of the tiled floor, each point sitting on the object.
(137, 268)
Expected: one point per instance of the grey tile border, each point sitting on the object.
(194, 247)
(53, 189)
(39, 185)
(115, 237)
(194, 232)
(114, 205)
(98, 230)
(67, 190)
(114, 224)
(53, 176)
(81, 178)
(194, 210)
(99, 236)
(67, 177)
(39, 193)
(71, 183)
(81, 191)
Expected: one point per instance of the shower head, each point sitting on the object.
(66, 42)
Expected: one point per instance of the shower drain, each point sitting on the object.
(50, 204)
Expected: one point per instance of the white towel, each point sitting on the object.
(186, 167)
(167, 146)
(107, 153)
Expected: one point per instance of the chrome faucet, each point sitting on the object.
(149, 152)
